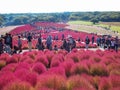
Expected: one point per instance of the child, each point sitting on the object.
(55, 48)
(15, 50)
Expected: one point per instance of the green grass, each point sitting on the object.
(80, 22)
(112, 27)
(112, 24)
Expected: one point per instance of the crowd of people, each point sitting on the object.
(68, 43)
(6, 44)
(108, 42)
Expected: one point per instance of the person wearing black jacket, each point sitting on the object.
(87, 41)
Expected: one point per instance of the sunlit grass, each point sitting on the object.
(80, 22)
(114, 26)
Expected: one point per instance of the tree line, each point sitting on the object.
(25, 18)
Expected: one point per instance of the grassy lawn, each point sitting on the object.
(80, 22)
(114, 26)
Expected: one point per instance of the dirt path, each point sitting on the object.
(6, 29)
(93, 29)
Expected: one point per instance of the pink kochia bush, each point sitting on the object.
(98, 69)
(79, 68)
(6, 78)
(2, 63)
(42, 59)
(23, 65)
(56, 60)
(39, 68)
(57, 71)
(77, 83)
(18, 85)
(4, 56)
(67, 66)
(60, 70)
(10, 67)
(26, 75)
(55, 82)
(105, 84)
(115, 80)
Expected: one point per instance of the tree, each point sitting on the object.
(94, 20)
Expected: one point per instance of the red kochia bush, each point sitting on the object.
(31, 78)
(45, 88)
(57, 71)
(21, 74)
(42, 59)
(12, 60)
(55, 63)
(25, 75)
(77, 82)
(55, 82)
(67, 66)
(105, 84)
(38, 68)
(18, 85)
(2, 64)
(4, 56)
(98, 69)
(74, 56)
(10, 67)
(6, 78)
(23, 65)
(79, 68)
(115, 80)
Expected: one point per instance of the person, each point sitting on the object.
(68, 46)
(112, 44)
(56, 37)
(8, 43)
(11, 39)
(39, 39)
(29, 38)
(15, 49)
(72, 43)
(1, 46)
(108, 43)
(49, 42)
(87, 41)
(93, 38)
(19, 44)
(116, 43)
(55, 48)
(40, 46)
(98, 41)
(63, 36)
(8, 49)
(79, 39)
(64, 45)
(103, 42)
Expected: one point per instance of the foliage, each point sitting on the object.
(25, 18)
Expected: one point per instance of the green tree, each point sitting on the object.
(94, 20)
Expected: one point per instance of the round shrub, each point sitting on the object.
(38, 68)
(98, 69)
(55, 82)
(75, 82)
(18, 85)
(2, 64)
(79, 68)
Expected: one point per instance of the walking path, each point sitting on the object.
(93, 49)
